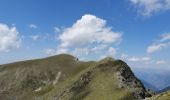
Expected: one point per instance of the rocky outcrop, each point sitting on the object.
(127, 79)
(123, 72)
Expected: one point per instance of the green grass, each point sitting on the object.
(103, 85)
(162, 96)
(61, 86)
(23, 78)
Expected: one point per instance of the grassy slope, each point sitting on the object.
(162, 96)
(78, 80)
(103, 85)
(22, 78)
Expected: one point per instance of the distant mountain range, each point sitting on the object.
(150, 86)
(155, 79)
(164, 90)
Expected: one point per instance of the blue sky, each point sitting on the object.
(137, 31)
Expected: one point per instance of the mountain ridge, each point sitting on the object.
(64, 77)
(164, 90)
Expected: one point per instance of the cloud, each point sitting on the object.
(57, 29)
(135, 59)
(163, 42)
(81, 51)
(89, 36)
(33, 26)
(62, 50)
(124, 56)
(50, 51)
(165, 37)
(35, 37)
(149, 7)
(144, 60)
(89, 29)
(156, 47)
(97, 49)
(160, 62)
(9, 38)
(111, 51)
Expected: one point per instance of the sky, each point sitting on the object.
(136, 31)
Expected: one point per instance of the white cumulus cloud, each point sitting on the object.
(9, 38)
(89, 35)
(89, 29)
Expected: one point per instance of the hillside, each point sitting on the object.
(64, 77)
(162, 96)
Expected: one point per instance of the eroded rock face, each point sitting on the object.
(127, 79)
(84, 80)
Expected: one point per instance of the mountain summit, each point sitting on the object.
(64, 77)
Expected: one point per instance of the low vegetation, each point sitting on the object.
(64, 77)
